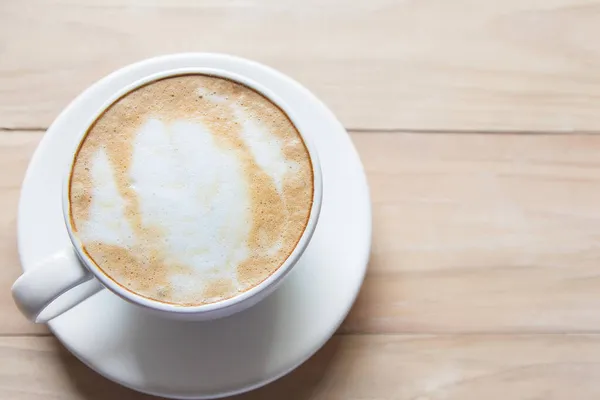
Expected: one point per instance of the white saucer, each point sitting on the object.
(239, 353)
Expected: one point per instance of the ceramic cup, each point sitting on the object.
(39, 287)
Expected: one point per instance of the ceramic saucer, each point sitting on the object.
(231, 355)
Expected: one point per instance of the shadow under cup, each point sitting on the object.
(136, 262)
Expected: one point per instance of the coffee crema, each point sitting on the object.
(191, 189)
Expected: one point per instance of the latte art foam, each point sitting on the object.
(191, 190)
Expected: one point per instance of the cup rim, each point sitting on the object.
(274, 277)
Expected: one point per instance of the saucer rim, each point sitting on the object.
(367, 237)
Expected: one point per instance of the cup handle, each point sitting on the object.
(41, 285)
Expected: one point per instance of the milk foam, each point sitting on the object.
(196, 194)
(266, 149)
(193, 191)
(185, 213)
(107, 221)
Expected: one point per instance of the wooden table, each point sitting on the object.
(477, 122)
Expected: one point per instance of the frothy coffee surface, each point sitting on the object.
(191, 189)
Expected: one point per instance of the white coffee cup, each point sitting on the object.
(70, 267)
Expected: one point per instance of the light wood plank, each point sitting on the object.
(438, 64)
(16, 148)
(472, 233)
(490, 367)
(482, 233)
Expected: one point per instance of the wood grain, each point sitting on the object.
(472, 233)
(525, 65)
(16, 148)
(356, 367)
(481, 233)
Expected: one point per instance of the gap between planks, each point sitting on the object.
(37, 129)
(422, 334)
